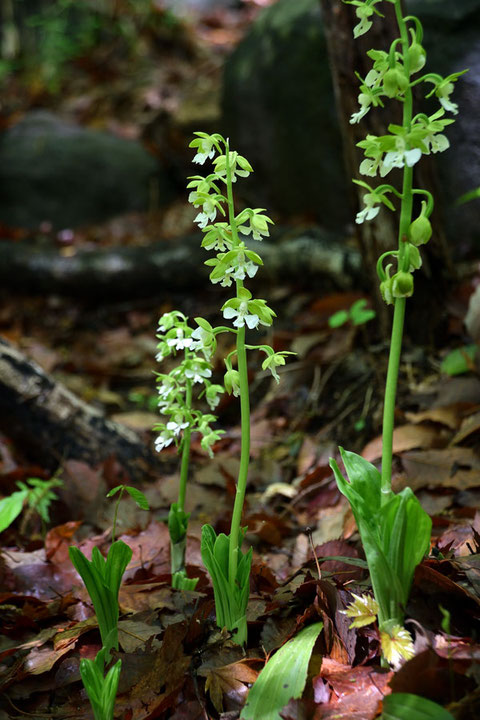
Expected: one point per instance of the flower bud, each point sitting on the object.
(420, 231)
(417, 57)
(231, 382)
(386, 291)
(414, 258)
(394, 81)
(402, 284)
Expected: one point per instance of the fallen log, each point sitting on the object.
(161, 268)
(53, 425)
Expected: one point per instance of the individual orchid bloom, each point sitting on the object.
(443, 88)
(209, 439)
(257, 223)
(373, 155)
(205, 145)
(166, 386)
(443, 92)
(210, 205)
(397, 644)
(371, 209)
(274, 360)
(242, 269)
(365, 103)
(218, 237)
(197, 369)
(239, 166)
(369, 96)
(168, 320)
(231, 382)
(176, 426)
(165, 439)
(178, 341)
(238, 309)
(400, 157)
(364, 11)
(212, 395)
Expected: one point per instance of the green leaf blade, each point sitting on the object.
(406, 706)
(138, 496)
(283, 677)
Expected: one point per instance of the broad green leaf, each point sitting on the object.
(459, 361)
(104, 602)
(138, 496)
(405, 706)
(118, 558)
(11, 507)
(406, 529)
(363, 490)
(283, 677)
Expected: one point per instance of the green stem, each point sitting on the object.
(114, 528)
(182, 490)
(244, 408)
(399, 305)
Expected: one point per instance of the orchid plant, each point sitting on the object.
(176, 394)
(394, 529)
(233, 264)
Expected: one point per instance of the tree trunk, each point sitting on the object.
(161, 269)
(347, 56)
(53, 425)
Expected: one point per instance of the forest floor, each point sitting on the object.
(176, 664)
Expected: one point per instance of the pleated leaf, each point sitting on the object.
(283, 677)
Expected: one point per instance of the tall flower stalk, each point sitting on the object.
(227, 564)
(394, 529)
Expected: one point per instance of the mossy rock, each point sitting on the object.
(52, 170)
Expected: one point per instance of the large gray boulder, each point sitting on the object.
(278, 108)
(52, 170)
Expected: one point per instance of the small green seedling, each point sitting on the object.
(358, 314)
(35, 494)
(394, 529)
(134, 493)
(102, 578)
(283, 677)
(101, 689)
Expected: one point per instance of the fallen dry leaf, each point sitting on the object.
(468, 427)
(405, 437)
(230, 680)
(448, 415)
(356, 692)
(457, 467)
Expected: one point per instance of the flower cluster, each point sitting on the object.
(391, 76)
(175, 388)
(234, 261)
